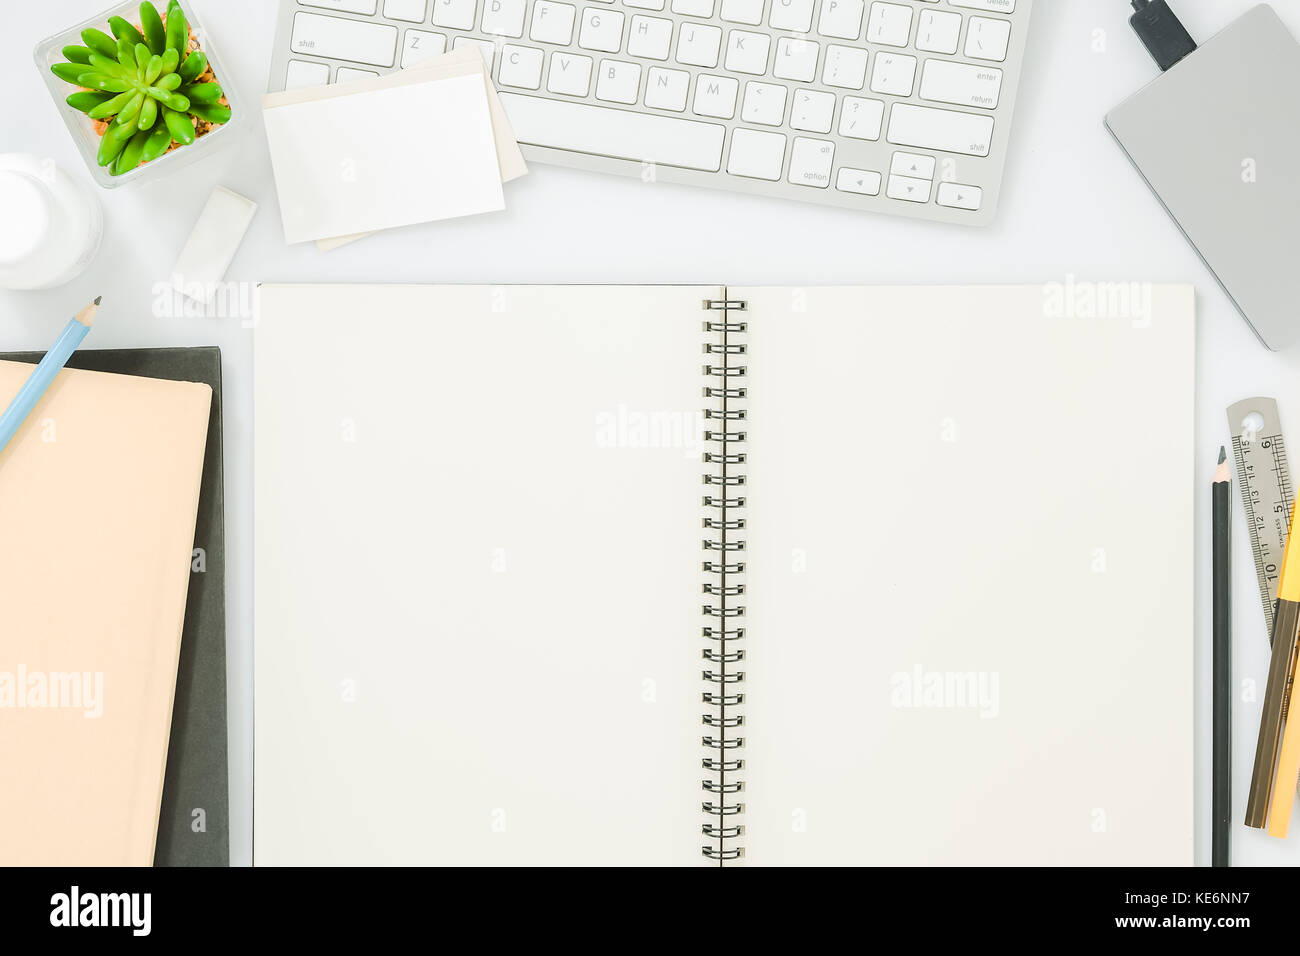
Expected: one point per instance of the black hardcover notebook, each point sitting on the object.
(194, 823)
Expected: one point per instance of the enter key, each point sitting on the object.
(961, 84)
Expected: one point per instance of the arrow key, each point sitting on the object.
(862, 181)
(912, 164)
(959, 196)
(909, 189)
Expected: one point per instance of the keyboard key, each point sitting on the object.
(410, 10)
(456, 14)
(793, 15)
(841, 18)
(913, 165)
(552, 22)
(895, 74)
(302, 74)
(570, 74)
(764, 103)
(621, 134)
(810, 162)
(944, 130)
(601, 30)
(645, 4)
(861, 118)
(650, 37)
(340, 39)
(347, 74)
(993, 6)
(366, 7)
(938, 32)
(618, 82)
(747, 52)
(715, 96)
(504, 18)
(890, 24)
(698, 45)
(987, 39)
(667, 89)
(846, 67)
(961, 84)
(418, 46)
(959, 197)
(812, 111)
(486, 48)
(742, 11)
(865, 182)
(521, 66)
(756, 155)
(694, 8)
(909, 189)
(796, 59)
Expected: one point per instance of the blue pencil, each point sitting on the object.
(43, 375)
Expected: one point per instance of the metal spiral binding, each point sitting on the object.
(724, 585)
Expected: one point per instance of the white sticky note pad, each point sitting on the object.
(384, 157)
(213, 243)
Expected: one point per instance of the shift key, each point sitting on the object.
(945, 130)
(341, 39)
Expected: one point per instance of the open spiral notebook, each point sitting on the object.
(689, 574)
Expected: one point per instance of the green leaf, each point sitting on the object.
(195, 65)
(170, 82)
(109, 67)
(153, 70)
(112, 84)
(100, 42)
(205, 93)
(169, 61)
(178, 31)
(176, 101)
(87, 102)
(180, 126)
(148, 114)
(72, 72)
(109, 107)
(154, 31)
(142, 57)
(123, 30)
(130, 111)
(76, 54)
(126, 53)
(156, 144)
(112, 143)
(129, 158)
(216, 113)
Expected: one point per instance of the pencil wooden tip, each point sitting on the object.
(87, 315)
(1222, 472)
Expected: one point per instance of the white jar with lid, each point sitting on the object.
(50, 226)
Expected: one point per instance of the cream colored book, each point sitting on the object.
(699, 574)
(98, 495)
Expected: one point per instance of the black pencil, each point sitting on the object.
(1222, 770)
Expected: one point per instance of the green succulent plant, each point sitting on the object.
(145, 83)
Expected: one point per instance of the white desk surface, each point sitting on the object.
(1072, 205)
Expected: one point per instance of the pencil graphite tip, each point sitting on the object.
(1223, 454)
(100, 298)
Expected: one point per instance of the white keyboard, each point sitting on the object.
(899, 106)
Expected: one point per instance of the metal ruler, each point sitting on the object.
(1265, 480)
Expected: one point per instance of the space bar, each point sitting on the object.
(663, 140)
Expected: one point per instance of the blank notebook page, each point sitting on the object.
(477, 563)
(970, 576)
(98, 495)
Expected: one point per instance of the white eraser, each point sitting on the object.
(213, 244)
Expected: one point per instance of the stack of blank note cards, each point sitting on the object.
(425, 144)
